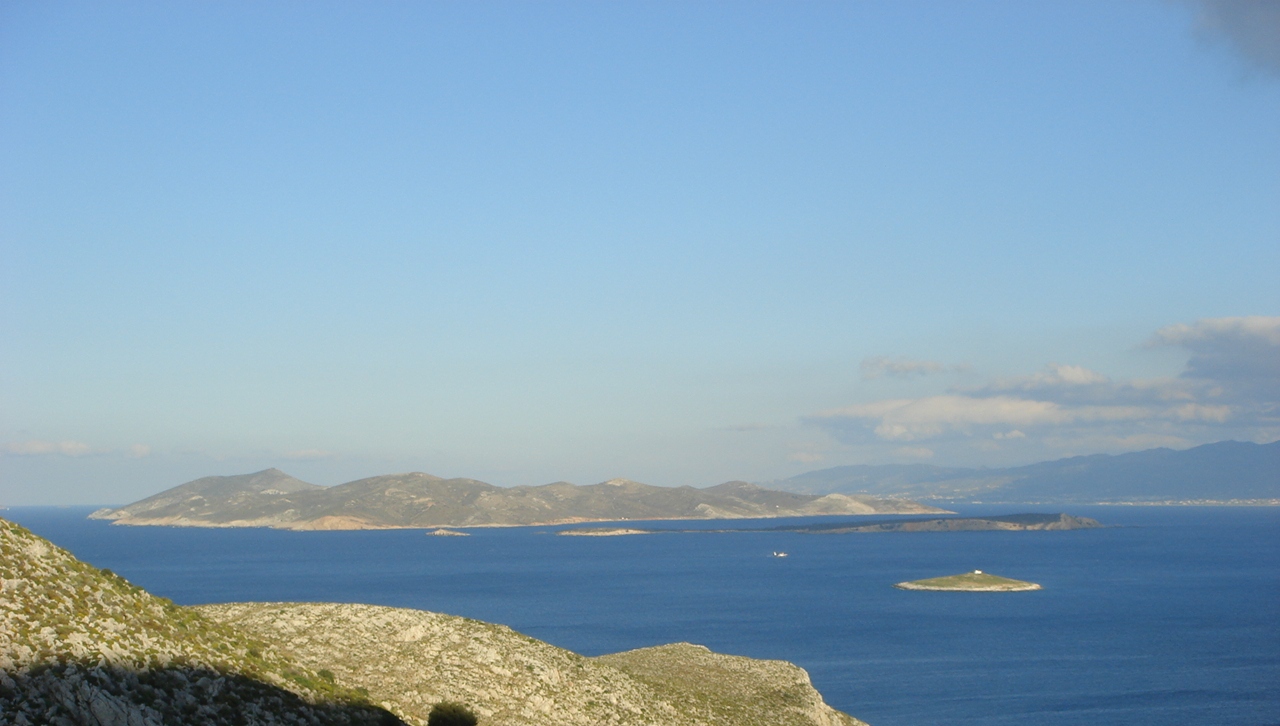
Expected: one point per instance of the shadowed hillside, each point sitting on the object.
(79, 645)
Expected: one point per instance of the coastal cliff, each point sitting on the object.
(410, 659)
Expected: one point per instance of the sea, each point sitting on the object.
(1169, 615)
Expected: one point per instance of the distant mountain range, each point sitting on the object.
(1223, 472)
(272, 498)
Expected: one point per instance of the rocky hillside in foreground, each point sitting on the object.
(410, 659)
(79, 645)
(272, 498)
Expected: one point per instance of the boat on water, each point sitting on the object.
(779, 554)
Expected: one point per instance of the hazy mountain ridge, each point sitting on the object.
(423, 500)
(79, 645)
(1224, 471)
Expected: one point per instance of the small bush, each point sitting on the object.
(448, 713)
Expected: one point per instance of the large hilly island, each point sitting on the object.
(82, 646)
(272, 498)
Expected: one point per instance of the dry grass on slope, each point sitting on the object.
(82, 645)
(730, 689)
(410, 659)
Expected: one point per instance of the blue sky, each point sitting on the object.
(677, 242)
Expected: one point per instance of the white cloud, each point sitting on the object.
(1054, 375)
(46, 448)
(1230, 388)
(879, 366)
(910, 419)
(139, 451)
(1234, 360)
(1261, 328)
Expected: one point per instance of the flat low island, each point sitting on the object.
(976, 581)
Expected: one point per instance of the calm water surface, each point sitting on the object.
(1171, 618)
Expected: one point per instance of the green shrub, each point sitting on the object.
(448, 713)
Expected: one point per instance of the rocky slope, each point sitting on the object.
(245, 498)
(410, 659)
(274, 499)
(728, 689)
(80, 645)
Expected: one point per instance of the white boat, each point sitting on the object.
(779, 554)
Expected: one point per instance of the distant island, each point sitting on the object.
(272, 498)
(609, 531)
(1001, 523)
(976, 581)
(1226, 472)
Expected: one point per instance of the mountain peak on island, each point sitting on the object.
(619, 482)
(246, 493)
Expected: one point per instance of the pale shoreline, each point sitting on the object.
(603, 532)
(988, 588)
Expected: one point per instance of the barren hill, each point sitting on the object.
(273, 499)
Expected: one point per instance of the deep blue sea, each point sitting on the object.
(1170, 617)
